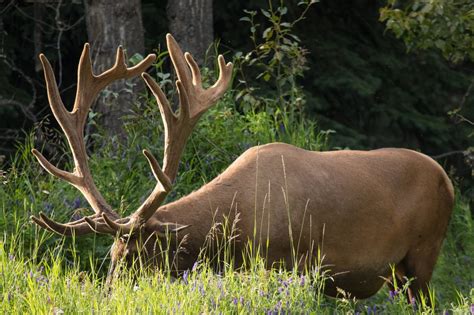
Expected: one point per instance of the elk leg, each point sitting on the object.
(400, 278)
(419, 267)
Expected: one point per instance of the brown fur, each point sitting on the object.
(365, 210)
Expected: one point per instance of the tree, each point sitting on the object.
(191, 23)
(110, 24)
(442, 24)
(446, 25)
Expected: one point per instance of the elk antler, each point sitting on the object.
(194, 100)
(72, 123)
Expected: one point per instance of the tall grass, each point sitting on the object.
(42, 273)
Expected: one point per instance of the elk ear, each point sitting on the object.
(166, 227)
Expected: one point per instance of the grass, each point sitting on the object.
(52, 283)
(43, 273)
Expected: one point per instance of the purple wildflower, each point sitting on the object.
(48, 207)
(195, 265)
(278, 305)
(302, 280)
(201, 290)
(413, 304)
(76, 216)
(372, 310)
(235, 301)
(11, 257)
(76, 203)
(393, 294)
(472, 309)
(282, 128)
(185, 276)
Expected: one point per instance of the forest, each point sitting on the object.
(317, 74)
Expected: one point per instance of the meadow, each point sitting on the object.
(42, 273)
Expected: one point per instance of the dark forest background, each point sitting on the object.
(360, 81)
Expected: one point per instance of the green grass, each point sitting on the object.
(51, 283)
(43, 273)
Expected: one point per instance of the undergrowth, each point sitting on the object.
(42, 273)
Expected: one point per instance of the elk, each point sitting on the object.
(365, 210)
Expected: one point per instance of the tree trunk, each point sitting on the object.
(111, 23)
(191, 24)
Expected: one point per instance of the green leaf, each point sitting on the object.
(267, 34)
(135, 59)
(266, 13)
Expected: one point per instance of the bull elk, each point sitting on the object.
(366, 210)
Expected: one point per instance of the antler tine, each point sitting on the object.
(219, 88)
(72, 123)
(61, 229)
(169, 118)
(157, 172)
(89, 85)
(53, 170)
(193, 102)
(55, 102)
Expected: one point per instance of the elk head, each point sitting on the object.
(136, 231)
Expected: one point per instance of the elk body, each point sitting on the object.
(365, 210)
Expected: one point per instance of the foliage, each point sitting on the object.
(445, 25)
(54, 281)
(369, 101)
(449, 27)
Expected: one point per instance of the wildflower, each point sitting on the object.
(282, 128)
(278, 305)
(201, 290)
(393, 294)
(195, 265)
(136, 288)
(11, 257)
(472, 309)
(302, 280)
(413, 304)
(372, 310)
(76, 203)
(185, 276)
(48, 207)
(235, 301)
